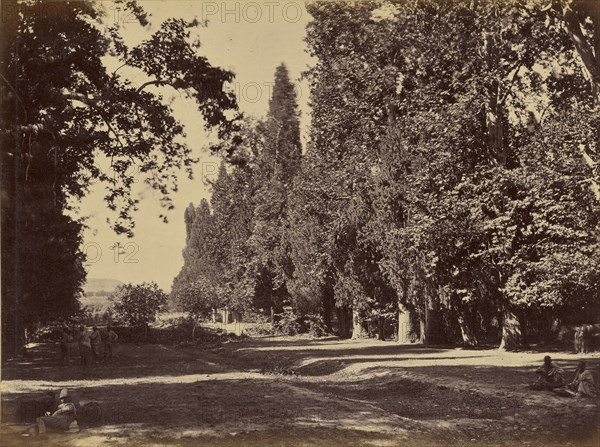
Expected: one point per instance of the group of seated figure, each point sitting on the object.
(551, 377)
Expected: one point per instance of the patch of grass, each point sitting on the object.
(279, 370)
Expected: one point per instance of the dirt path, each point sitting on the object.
(302, 392)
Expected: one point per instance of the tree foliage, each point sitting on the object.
(137, 304)
(464, 102)
(199, 297)
(446, 188)
(67, 121)
(238, 247)
(276, 166)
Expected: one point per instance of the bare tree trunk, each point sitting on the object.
(343, 326)
(468, 335)
(194, 329)
(430, 327)
(328, 307)
(358, 331)
(404, 325)
(381, 327)
(422, 331)
(512, 336)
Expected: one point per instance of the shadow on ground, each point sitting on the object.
(341, 393)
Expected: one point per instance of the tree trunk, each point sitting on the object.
(422, 331)
(466, 330)
(430, 327)
(404, 325)
(573, 23)
(511, 331)
(194, 329)
(327, 318)
(328, 307)
(343, 326)
(358, 331)
(14, 334)
(591, 61)
(224, 316)
(381, 328)
(13, 324)
(494, 124)
(365, 326)
(494, 113)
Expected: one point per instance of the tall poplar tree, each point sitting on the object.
(277, 166)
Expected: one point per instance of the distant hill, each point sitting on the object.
(97, 290)
(101, 284)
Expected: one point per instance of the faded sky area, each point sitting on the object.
(249, 38)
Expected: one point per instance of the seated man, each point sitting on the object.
(61, 419)
(583, 383)
(551, 376)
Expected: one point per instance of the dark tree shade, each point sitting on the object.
(63, 112)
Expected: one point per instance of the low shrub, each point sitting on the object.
(288, 324)
(316, 326)
(208, 337)
(260, 330)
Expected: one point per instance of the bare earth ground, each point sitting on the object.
(302, 392)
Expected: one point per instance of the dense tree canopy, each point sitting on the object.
(473, 94)
(448, 192)
(67, 120)
(246, 259)
(446, 188)
(137, 304)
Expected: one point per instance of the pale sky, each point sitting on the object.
(249, 38)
